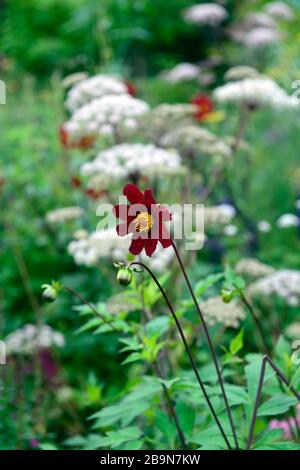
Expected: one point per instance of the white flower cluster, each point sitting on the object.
(240, 72)
(121, 161)
(253, 268)
(209, 14)
(58, 216)
(103, 116)
(166, 117)
(194, 139)
(31, 338)
(218, 215)
(287, 221)
(216, 311)
(92, 88)
(182, 73)
(261, 37)
(293, 330)
(284, 284)
(255, 92)
(89, 249)
(279, 10)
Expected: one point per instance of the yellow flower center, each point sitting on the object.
(143, 222)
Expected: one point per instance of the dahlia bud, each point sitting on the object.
(227, 295)
(51, 291)
(124, 276)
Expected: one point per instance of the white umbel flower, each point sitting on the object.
(182, 73)
(64, 214)
(104, 115)
(240, 72)
(284, 284)
(121, 161)
(196, 140)
(293, 331)
(255, 92)
(216, 311)
(209, 14)
(253, 268)
(261, 37)
(31, 338)
(92, 88)
(280, 10)
(287, 221)
(100, 244)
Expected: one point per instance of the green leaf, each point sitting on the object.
(186, 415)
(206, 283)
(237, 343)
(158, 326)
(276, 405)
(133, 357)
(166, 426)
(116, 438)
(89, 325)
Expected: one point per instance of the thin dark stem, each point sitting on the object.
(91, 306)
(266, 360)
(170, 404)
(210, 344)
(183, 338)
(256, 320)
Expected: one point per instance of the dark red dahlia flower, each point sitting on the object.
(204, 106)
(145, 219)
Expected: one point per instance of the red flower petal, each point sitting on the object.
(136, 246)
(133, 194)
(148, 198)
(150, 246)
(121, 211)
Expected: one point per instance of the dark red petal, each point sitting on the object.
(148, 198)
(136, 246)
(121, 211)
(122, 229)
(164, 236)
(133, 194)
(150, 246)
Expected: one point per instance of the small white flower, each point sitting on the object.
(284, 284)
(288, 220)
(230, 230)
(279, 10)
(31, 338)
(64, 214)
(264, 226)
(227, 209)
(94, 87)
(261, 37)
(255, 92)
(240, 72)
(216, 311)
(121, 161)
(209, 14)
(103, 115)
(182, 72)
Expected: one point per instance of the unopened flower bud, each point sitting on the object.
(50, 291)
(227, 296)
(124, 277)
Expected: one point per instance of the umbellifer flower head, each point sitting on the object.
(145, 219)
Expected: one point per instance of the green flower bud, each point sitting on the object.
(51, 291)
(227, 296)
(124, 277)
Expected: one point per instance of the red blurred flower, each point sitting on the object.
(95, 193)
(204, 106)
(82, 143)
(145, 219)
(130, 88)
(75, 182)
